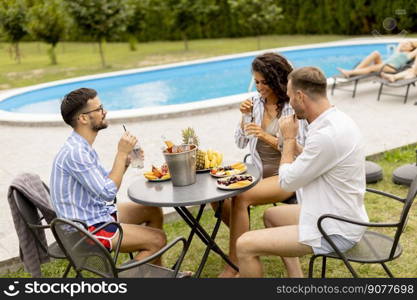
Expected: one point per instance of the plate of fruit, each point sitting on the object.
(158, 174)
(235, 182)
(229, 170)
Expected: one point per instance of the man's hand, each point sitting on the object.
(246, 106)
(126, 143)
(122, 159)
(288, 127)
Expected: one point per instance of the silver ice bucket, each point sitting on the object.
(181, 164)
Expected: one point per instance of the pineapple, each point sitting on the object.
(189, 137)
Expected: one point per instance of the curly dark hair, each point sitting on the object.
(275, 69)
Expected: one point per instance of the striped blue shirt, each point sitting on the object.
(80, 186)
(258, 113)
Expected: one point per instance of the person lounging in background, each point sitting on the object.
(406, 74)
(405, 52)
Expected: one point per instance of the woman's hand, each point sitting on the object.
(246, 106)
(253, 129)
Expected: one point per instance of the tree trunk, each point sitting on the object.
(17, 52)
(133, 41)
(184, 37)
(52, 54)
(100, 46)
(11, 51)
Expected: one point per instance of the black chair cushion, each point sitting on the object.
(405, 174)
(373, 172)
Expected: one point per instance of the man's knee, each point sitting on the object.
(245, 246)
(268, 217)
(160, 239)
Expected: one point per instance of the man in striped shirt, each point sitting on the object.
(82, 189)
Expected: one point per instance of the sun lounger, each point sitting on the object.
(340, 80)
(399, 83)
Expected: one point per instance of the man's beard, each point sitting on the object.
(100, 126)
(299, 114)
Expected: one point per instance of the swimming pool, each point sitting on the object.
(188, 82)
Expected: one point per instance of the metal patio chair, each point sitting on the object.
(340, 80)
(86, 253)
(374, 247)
(33, 220)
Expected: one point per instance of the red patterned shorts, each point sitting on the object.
(106, 234)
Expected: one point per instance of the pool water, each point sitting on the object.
(183, 84)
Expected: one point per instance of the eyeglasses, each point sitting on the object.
(100, 108)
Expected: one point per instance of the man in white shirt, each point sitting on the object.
(328, 177)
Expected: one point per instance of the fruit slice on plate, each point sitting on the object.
(158, 174)
(151, 177)
(229, 170)
(235, 182)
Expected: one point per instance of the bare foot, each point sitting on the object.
(345, 73)
(187, 273)
(228, 273)
(388, 77)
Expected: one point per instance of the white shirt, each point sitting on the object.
(329, 177)
(258, 109)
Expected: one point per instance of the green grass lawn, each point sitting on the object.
(379, 210)
(77, 59)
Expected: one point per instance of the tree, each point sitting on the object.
(258, 16)
(49, 22)
(101, 19)
(13, 22)
(186, 16)
(208, 16)
(137, 23)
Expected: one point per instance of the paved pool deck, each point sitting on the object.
(386, 124)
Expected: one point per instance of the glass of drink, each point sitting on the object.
(136, 157)
(247, 118)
